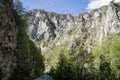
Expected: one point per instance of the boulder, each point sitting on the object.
(44, 77)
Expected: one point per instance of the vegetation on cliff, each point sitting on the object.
(30, 62)
(101, 63)
(75, 63)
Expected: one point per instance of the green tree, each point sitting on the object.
(105, 71)
(30, 62)
(82, 64)
(62, 68)
(18, 6)
(78, 66)
(114, 54)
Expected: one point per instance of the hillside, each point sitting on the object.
(59, 46)
(19, 57)
(54, 33)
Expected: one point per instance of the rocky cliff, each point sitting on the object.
(19, 57)
(8, 39)
(60, 33)
(49, 29)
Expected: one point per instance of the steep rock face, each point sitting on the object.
(20, 59)
(8, 38)
(49, 29)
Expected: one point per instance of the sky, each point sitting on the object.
(73, 7)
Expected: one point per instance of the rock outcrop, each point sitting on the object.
(8, 39)
(49, 29)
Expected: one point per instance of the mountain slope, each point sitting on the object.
(60, 33)
(49, 29)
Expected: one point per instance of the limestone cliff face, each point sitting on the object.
(49, 29)
(8, 38)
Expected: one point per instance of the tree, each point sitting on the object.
(105, 72)
(114, 54)
(30, 62)
(82, 64)
(62, 70)
(18, 6)
(77, 67)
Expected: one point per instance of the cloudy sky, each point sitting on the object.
(73, 7)
(93, 4)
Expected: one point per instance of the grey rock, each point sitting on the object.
(45, 77)
(49, 29)
(8, 39)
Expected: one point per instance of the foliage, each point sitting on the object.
(30, 62)
(77, 64)
(52, 56)
(107, 58)
(18, 6)
(76, 67)
(81, 65)
(105, 71)
(114, 54)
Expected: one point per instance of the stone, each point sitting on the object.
(49, 29)
(45, 77)
(8, 39)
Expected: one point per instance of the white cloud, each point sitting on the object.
(94, 4)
